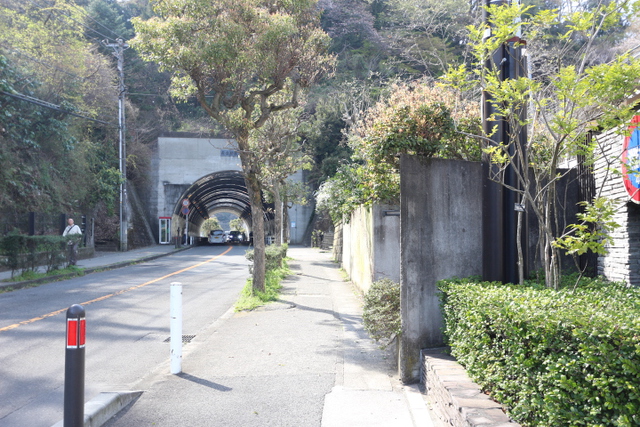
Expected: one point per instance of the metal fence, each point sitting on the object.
(36, 223)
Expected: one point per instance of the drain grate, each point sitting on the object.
(185, 339)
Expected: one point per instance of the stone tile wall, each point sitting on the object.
(622, 261)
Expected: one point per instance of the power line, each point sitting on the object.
(19, 52)
(83, 25)
(162, 95)
(84, 13)
(56, 14)
(145, 94)
(51, 106)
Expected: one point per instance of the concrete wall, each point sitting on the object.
(299, 215)
(371, 245)
(441, 237)
(182, 160)
(622, 262)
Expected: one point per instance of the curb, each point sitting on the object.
(57, 278)
(101, 408)
(417, 406)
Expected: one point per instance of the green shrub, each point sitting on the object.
(54, 250)
(381, 311)
(273, 254)
(26, 253)
(250, 298)
(554, 358)
(13, 246)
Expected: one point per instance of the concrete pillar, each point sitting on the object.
(441, 237)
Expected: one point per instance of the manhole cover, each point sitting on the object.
(185, 339)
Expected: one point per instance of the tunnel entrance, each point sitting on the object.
(219, 192)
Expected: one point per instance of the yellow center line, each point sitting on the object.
(120, 292)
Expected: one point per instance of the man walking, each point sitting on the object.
(72, 244)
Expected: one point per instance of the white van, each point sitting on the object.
(217, 237)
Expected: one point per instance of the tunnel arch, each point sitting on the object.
(223, 191)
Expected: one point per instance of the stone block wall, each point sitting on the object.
(622, 261)
(456, 400)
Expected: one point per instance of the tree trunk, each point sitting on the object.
(285, 222)
(520, 252)
(251, 169)
(257, 220)
(277, 201)
(551, 256)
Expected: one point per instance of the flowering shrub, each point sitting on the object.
(416, 118)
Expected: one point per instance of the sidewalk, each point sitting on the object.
(302, 361)
(101, 261)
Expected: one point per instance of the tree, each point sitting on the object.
(427, 35)
(209, 225)
(276, 145)
(360, 50)
(237, 224)
(564, 106)
(54, 159)
(323, 137)
(235, 56)
(342, 193)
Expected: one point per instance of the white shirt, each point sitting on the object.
(72, 229)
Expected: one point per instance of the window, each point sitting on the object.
(228, 153)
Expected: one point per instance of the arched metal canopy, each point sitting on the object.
(223, 191)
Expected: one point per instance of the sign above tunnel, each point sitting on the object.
(631, 160)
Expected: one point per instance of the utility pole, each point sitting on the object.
(503, 209)
(118, 51)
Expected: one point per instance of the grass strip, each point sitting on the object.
(251, 299)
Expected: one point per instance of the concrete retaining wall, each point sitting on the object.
(371, 245)
(441, 237)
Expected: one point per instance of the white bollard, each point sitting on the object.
(176, 327)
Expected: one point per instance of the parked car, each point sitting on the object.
(217, 237)
(236, 237)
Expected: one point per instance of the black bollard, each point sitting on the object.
(74, 367)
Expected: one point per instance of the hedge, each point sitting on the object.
(26, 253)
(273, 254)
(554, 358)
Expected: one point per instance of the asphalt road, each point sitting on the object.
(127, 312)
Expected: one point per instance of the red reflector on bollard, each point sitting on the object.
(83, 332)
(72, 333)
(76, 336)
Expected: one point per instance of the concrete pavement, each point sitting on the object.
(304, 360)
